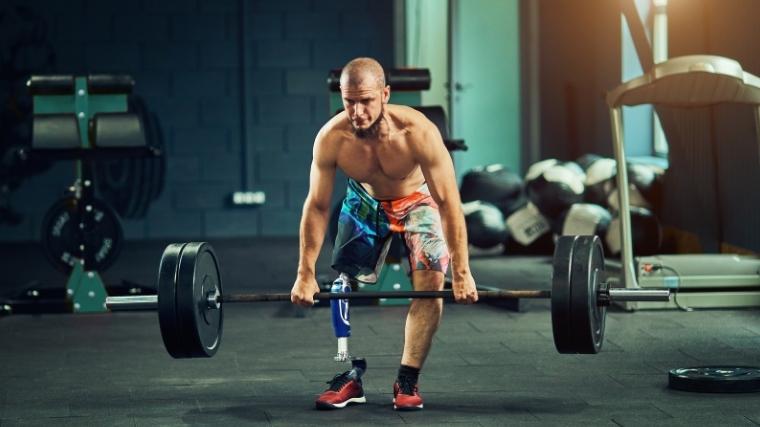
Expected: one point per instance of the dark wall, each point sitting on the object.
(714, 168)
(187, 58)
(579, 61)
(715, 27)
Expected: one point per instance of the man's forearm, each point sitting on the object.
(456, 238)
(312, 234)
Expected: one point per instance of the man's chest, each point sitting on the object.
(366, 161)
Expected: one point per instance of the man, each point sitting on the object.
(401, 179)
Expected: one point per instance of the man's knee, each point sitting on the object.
(427, 280)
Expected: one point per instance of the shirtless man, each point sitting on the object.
(401, 179)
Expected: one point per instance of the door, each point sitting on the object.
(485, 82)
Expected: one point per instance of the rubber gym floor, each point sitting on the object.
(488, 366)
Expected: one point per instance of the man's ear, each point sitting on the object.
(386, 94)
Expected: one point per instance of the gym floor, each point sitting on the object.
(488, 366)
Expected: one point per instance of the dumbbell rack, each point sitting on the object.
(703, 280)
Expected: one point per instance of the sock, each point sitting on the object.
(412, 374)
(358, 366)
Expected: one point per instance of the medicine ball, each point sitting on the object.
(530, 232)
(585, 219)
(586, 160)
(494, 184)
(553, 186)
(485, 224)
(646, 233)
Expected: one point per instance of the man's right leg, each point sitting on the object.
(345, 388)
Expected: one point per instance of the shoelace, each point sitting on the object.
(406, 385)
(339, 381)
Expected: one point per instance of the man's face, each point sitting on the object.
(365, 107)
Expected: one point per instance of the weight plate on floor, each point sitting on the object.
(587, 314)
(561, 319)
(715, 379)
(197, 278)
(62, 235)
(168, 319)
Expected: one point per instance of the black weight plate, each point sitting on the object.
(588, 316)
(61, 235)
(142, 190)
(114, 181)
(168, 318)
(715, 379)
(197, 277)
(135, 188)
(561, 275)
(115, 174)
(157, 187)
(143, 201)
(142, 185)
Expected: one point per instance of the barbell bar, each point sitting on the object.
(190, 298)
(150, 302)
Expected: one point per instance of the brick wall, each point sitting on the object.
(185, 56)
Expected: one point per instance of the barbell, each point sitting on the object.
(190, 299)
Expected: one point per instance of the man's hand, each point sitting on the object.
(303, 291)
(464, 289)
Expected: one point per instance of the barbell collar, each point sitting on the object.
(627, 294)
(132, 302)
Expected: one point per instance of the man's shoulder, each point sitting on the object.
(334, 128)
(413, 122)
(411, 119)
(407, 114)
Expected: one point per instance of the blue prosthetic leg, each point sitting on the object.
(340, 318)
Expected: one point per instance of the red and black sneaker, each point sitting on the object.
(406, 396)
(344, 389)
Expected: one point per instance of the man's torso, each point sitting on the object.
(386, 165)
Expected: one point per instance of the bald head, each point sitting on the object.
(362, 73)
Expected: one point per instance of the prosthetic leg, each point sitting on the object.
(340, 317)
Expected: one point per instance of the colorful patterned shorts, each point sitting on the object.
(366, 224)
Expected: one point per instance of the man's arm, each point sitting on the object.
(314, 219)
(438, 170)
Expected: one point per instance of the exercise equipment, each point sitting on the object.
(715, 379)
(190, 299)
(600, 176)
(553, 186)
(585, 219)
(645, 184)
(585, 161)
(131, 184)
(485, 224)
(494, 184)
(529, 232)
(644, 189)
(406, 85)
(63, 239)
(85, 119)
(646, 232)
(679, 88)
